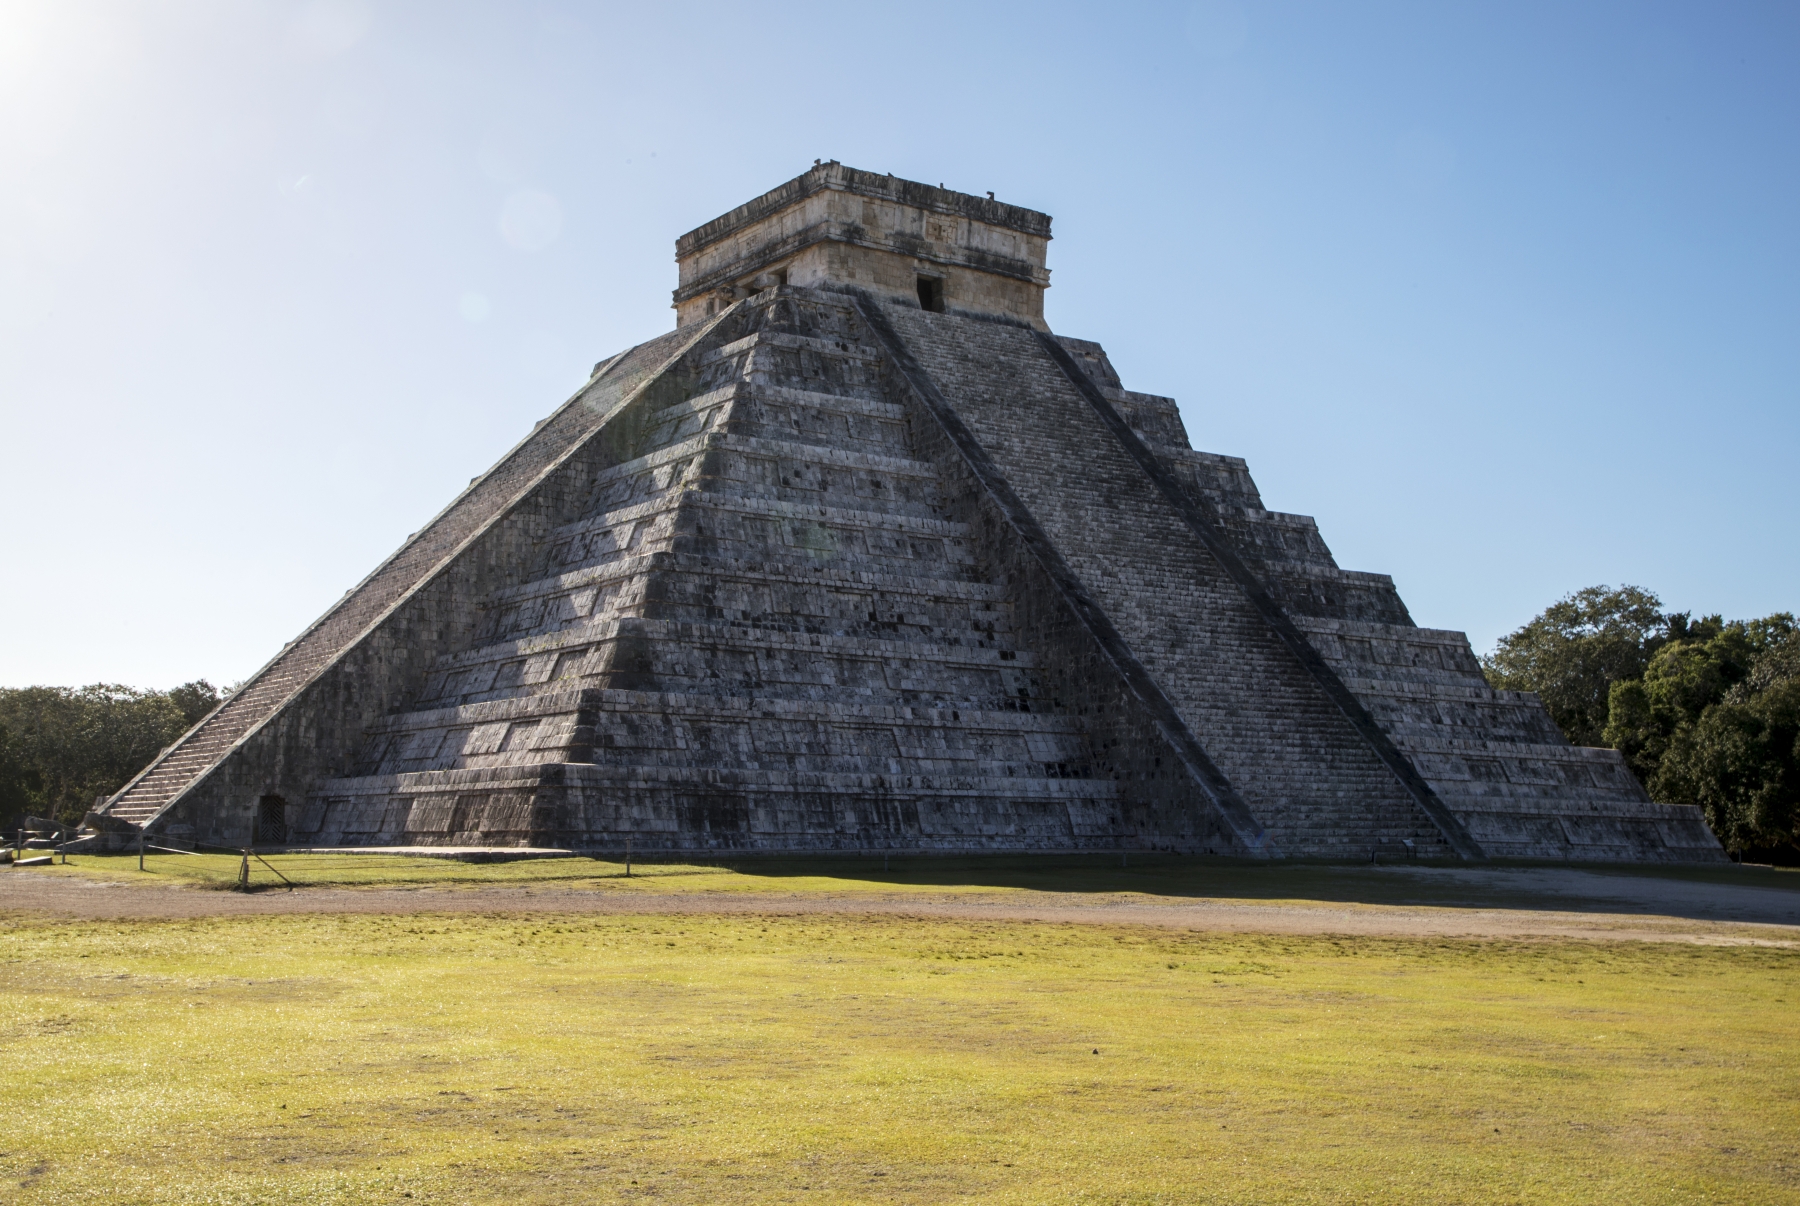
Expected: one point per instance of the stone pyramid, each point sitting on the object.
(861, 557)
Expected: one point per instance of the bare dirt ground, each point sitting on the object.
(1508, 903)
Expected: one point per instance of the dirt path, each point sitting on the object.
(1560, 904)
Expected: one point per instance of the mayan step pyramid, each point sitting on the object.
(861, 557)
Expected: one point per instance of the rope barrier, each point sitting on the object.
(247, 853)
(265, 862)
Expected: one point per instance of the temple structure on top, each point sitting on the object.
(944, 251)
(862, 557)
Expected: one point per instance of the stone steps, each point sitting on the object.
(769, 780)
(719, 497)
(1424, 682)
(768, 661)
(835, 349)
(725, 808)
(720, 732)
(682, 706)
(834, 599)
(866, 402)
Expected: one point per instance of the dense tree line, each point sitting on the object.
(1706, 711)
(60, 747)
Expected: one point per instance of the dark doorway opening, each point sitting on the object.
(931, 294)
(271, 821)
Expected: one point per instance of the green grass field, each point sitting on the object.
(468, 1057)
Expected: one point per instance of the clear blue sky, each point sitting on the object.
(1505, 294)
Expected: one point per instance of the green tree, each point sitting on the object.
(1703, 663)
(195, 700)
(1574, 652)
(1691, 671)
(1740, 762)
(83, 742)
(1777, 641)
(18, 782)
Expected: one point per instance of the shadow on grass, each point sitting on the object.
(1497, 885)
(1715, 893)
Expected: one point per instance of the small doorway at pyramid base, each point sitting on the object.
(271, 821)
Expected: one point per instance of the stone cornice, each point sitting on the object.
(854, 234)
(837, 177)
